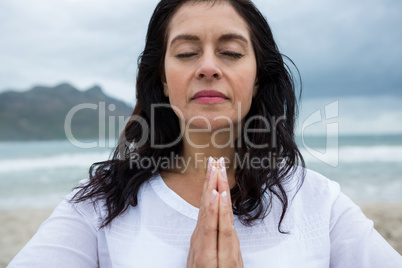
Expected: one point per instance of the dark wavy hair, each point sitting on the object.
(117, 183)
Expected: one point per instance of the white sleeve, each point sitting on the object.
(67, 239)
(355, 242)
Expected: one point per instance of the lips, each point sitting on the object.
(209, 97)
(209, 94)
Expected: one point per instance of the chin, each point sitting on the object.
(212, 125)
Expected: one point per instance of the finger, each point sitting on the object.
(204, 240)
(206, 195)
(205, 221)
(226, 237)
(223, 184)
(207, 176)
(211, 182)
(208, 221)
(207, 181)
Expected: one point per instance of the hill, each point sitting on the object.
(41, 112)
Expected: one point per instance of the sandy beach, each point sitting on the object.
(18, 226)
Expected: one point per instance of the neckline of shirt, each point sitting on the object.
(171, 198)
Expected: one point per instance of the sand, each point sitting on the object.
(18, 226)
(387, 218)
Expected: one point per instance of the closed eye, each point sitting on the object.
(233, 55)
(229, 54)
(185, 55)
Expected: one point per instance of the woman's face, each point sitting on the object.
(210, 66)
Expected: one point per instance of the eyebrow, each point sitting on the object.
(225, 37)
(185, 37)
(233, 36)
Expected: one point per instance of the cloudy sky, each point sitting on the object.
(349, 51)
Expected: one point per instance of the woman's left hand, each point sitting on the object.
(229, 254)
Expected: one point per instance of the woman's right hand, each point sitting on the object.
(203, 245)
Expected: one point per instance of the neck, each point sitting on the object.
(199, 146)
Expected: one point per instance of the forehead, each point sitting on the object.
(205, 17)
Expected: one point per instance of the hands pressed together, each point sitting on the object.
(214, 242)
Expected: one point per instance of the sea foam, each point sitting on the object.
(355, 154)
(52, 162)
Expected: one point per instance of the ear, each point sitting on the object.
(165, 89)
(165, 86)
(255, 90)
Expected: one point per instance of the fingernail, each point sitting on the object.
(212, 171)
(221, 162)
(210, 159)
(214, 193)
(223, 172)
(225, 197)
(223, 168)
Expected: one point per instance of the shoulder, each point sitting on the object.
(319, 185)
(93, 212)
(308, 184)
(311, 193)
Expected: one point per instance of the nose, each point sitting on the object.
(208, 68)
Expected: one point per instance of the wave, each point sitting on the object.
(59, 161)
(355, 154)
(43, 201)
(48, 198)
(346, 154)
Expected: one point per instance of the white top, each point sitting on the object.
(326, 230)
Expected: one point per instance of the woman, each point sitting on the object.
(205, 174)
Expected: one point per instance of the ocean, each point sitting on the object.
(39, 174)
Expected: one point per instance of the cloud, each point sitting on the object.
(373, 115)
(341, 47)
(84, 42)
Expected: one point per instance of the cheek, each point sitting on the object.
(245, 92)
(245, 87)
(175, 86)
(247, 75)
(175, 76)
